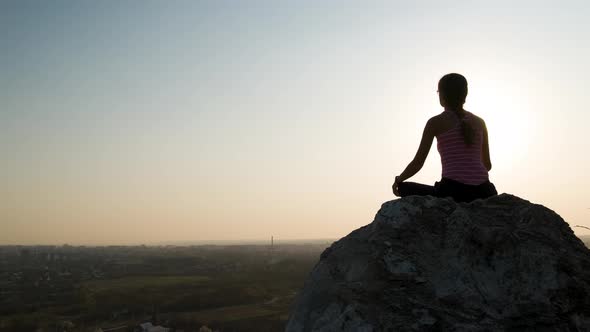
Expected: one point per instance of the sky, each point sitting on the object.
(126, 122)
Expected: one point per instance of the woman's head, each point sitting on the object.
(452, 90)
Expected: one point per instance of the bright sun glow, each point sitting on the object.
(506, 118)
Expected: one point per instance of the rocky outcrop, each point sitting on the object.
(430, 264)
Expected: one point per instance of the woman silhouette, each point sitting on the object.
(462, 141)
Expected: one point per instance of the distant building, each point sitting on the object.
(121, 328)
(159, 329)
(149, 327)
(145, 326)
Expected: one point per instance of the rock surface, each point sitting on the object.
(430, 264)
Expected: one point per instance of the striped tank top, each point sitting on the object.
(461, 162)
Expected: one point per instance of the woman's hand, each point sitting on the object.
(395, 186)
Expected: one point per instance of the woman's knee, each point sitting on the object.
(412, 188)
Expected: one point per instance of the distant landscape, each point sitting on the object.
(182, 288)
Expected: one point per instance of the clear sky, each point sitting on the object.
(148, 121)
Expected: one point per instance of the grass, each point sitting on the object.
(135, 283)
(232, 313)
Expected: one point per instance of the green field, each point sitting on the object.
(144, 282)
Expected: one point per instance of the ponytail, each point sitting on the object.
(467, 130)
(454, 89)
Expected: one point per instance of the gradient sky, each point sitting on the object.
(150, 121)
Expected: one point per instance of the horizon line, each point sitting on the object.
(179, 243)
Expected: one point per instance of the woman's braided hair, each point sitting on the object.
(453, 88)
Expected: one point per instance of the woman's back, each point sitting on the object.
(460, 161)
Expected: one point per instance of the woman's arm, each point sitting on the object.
(485, 151)
(416, 164)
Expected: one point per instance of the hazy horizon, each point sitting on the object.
(180, 243)
(129, 122)
(261, 242)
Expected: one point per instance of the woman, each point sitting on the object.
(462, 141)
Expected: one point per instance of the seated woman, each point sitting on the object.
(462, 141)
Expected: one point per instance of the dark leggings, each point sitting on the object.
(460, 192)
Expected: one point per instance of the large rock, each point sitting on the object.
(430, 264)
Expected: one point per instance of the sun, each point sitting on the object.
(507, 118)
